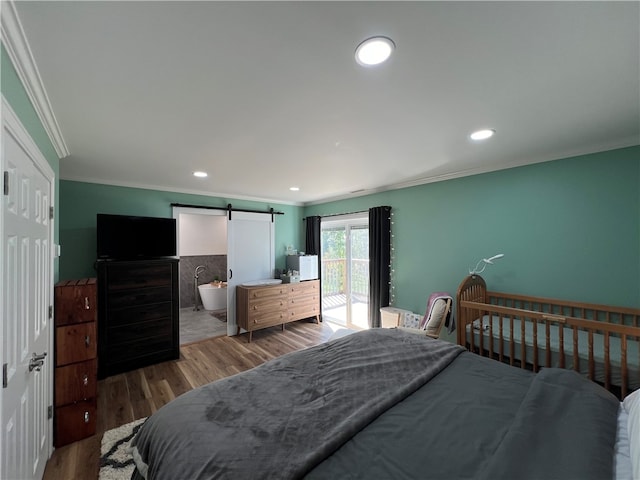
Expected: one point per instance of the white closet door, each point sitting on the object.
(251, 256)
(26, 292)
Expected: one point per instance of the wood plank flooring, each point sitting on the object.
(132, 395)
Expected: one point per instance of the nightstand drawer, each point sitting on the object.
(76, 382)
(75, 422)
(75, 343)
(75, 301)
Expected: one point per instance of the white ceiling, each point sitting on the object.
(267, 95)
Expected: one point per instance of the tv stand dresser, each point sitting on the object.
(138, 314)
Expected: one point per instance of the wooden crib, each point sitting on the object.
(599, 341)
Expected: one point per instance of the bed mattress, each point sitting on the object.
(474, 418)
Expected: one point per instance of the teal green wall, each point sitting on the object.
(16, 96)
(80, 202)
(568, 228)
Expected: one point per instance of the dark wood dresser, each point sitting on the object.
(75, 385)
(138, 317)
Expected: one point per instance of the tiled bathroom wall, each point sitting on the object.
(215, 267)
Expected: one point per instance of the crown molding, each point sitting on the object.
(165, 188)
(17, 47)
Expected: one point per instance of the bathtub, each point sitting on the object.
(213, 298)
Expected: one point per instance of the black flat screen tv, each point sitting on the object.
(127, 237)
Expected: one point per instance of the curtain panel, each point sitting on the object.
(312, 241)
(379, 262)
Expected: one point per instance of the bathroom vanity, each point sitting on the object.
(265, 306)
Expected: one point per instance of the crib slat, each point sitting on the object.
(512, 346)
(607, 362)
(490, 337)
(547, 329)
(535, 344)
(501, 345)
(623, 363)
(523, 346)
(592, 368)
(576, 357)
(561, 341)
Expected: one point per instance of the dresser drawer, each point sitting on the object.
(140, 314)
(75, 343)
(267, 319)
(75, 422)
(148, 346)
(304, 311)
(256, 293)
(304, 288)
(126, 276)
(76, 382)
(310, 299)
(140, 331)
(128, 298)
(75, 301)
(263, 305)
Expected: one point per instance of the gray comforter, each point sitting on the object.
(363, 407)
(281, 419)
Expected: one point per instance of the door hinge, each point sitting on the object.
(50, 312)
(6, 182)
(5, 379)
(50, 213)
(49, 412)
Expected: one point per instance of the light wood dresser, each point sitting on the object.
(75, 360)
(265, 306)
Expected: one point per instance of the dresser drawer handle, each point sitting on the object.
(86, 417)
(86, 303)
(87, 340)
(85, 380)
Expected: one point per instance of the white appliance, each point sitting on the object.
(305, 265)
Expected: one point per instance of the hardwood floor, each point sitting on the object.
(132, 395)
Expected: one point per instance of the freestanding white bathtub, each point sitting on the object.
(213, 297)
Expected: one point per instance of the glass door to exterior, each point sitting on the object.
(345, 271)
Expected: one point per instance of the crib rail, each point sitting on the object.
(536, 338)
(587, 311)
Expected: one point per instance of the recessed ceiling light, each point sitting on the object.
(374, 51)
(294, 189)
(482, 134)
(200, 174)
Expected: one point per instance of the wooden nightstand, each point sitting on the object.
(76, 365)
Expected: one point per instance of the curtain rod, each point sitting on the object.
(337, 214)
(229, 208)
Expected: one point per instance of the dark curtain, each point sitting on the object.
(312, 236)
(379, 262)
(312, 240)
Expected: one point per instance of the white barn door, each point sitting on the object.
(26, 294)
(251, 255)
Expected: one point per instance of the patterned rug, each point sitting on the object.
(115, 461)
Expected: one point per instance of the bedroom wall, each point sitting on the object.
(15, 94)
(569, 228)
(80, 202)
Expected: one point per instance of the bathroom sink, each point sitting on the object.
(266, 281)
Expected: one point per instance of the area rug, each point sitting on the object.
(116, 462)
